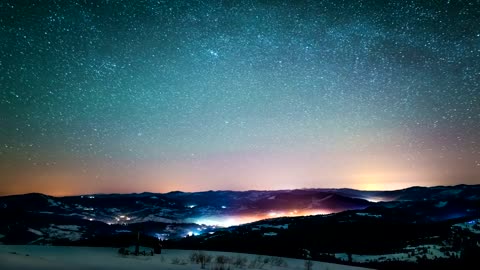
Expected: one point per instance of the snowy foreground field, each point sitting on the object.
(54, 257)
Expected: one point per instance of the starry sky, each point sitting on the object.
(133, 96)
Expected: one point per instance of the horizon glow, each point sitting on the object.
(128, 96)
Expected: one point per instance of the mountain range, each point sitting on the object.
(416, 224)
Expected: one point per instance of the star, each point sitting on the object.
(300, 94)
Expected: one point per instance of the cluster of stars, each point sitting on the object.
(118, 85)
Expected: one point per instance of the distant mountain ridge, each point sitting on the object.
(178, 214)
(179, 206)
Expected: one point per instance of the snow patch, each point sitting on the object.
(451, 192)
(441, 204)
(69, 227)
(37, 232)
(472, 226)
(53, 203)
(123, 231)
(284, 226)
(409, 254)
(69, 232)
(369, 215)
(152, 217)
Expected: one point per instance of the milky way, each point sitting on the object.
(129, 96)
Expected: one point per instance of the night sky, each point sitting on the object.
(133, 96)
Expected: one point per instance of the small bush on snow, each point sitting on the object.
(178, 261)
(222, 263)
(240, 262)
(277, 261)
(201, 258)
(259, 262)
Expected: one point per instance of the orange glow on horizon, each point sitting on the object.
(236, 172)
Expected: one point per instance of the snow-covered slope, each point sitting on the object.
(72, 258)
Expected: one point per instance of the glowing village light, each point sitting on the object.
(161, 236)
(219, 221)
(229, 221)
(275, 214)
(374, 199)
(192, 234)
